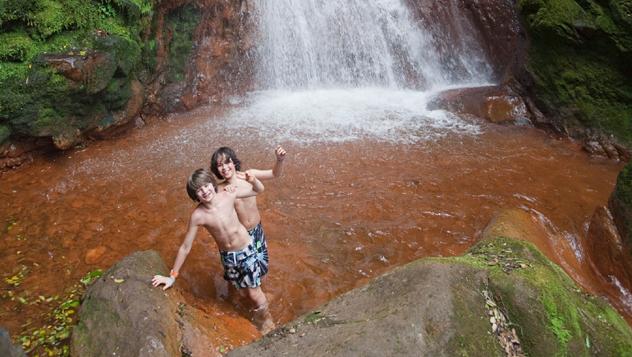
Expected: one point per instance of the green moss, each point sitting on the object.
(51, 18)
(5, 132)
(579, 58)
(16, 46)
(623, 189)
(541, 297)
(181, 23)
(35, 100)
(621, 205)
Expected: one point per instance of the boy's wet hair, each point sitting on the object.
(224, 152)
(198, 178)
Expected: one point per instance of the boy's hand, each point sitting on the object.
(159, 279)
(247, 176)
(230, 188)
(280, 153)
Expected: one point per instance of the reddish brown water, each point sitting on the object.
(341, 214)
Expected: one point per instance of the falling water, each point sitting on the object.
(357, 43)
(354, 69)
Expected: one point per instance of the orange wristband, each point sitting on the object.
(173, 274)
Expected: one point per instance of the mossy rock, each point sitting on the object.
(579, 59)
(620, 205)
(16, 46)
(553, 317)
(442, 306)
(182, 23)
(122, 314)
(99, 41)
(5, 132)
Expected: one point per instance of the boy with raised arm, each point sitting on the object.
(243, 264)
(225, 165)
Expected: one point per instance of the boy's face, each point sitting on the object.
(226, 167)
(205, 193)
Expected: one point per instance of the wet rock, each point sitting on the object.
(6, 346)
(606, 147)
(128, 318)
(93, 256)
(606, 250)
(122, 314)
(495, 24)
(94, 69)
(441, 307)
(494, 103)
(620, 204)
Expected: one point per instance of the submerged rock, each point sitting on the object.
(497, 104)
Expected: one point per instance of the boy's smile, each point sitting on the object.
(205, 193)
(226, 167)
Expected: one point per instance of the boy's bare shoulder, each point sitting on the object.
(199, 214)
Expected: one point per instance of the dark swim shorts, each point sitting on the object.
(245, 268)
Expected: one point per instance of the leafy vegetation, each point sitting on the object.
(53, 338)
(38, 100)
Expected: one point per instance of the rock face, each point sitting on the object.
(496, 23)
(578, 65)
(610, 256)
(123, 315)
(609, 238)
(620, 205)
(459, 306)
(497, 104)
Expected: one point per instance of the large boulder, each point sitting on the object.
(122, 315)
(502, 298)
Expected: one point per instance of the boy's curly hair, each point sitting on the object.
(224, 153)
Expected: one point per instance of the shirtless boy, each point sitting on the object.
(243, 264)
(225, 165)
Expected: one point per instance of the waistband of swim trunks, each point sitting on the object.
(258, 226)
(247, 249)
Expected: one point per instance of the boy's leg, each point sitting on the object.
(261, 317)
(257, 296)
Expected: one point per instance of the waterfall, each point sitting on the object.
(355, 69)
(311, 44)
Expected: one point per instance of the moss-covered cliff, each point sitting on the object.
(579, 59)
(620, 205)
(69, 66)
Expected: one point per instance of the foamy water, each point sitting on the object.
(339, 115)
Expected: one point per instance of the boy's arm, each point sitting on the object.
(255, 187)
(184, 250)
(276, 171)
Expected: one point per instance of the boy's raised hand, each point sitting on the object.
(280, 153)
(158, 280)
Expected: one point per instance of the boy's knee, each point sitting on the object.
(257, 296)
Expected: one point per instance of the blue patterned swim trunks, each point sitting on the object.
(245, 267)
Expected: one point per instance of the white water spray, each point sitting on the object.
(342, 70)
